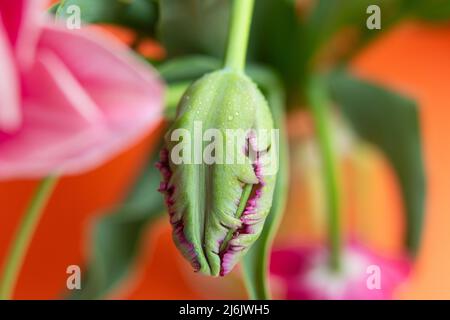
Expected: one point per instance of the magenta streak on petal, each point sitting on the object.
(177, 224)
(228, 254)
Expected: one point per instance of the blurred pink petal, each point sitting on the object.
(305, 275)
(69, 100)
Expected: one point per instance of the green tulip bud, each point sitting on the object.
(218, 170)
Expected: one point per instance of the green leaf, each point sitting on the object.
(256, 261)
(389, 121)
(139, 15)
(116, 237)
(194, 26)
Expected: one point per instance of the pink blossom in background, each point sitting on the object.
(303, 274)
(69, 99)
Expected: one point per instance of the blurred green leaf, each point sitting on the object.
(139, 15)
(290, 41)
(330, 16)
(115, 240)
(256, 261)
(194, 26)
(188, 68)
(389, 121)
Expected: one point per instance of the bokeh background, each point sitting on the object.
(411, 58)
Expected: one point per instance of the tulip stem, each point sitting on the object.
(174, 93)
(23, 237)
(319, 104)
(241, 18)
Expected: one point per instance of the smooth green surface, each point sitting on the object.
(390, 122)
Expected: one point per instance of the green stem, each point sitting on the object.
(241, 18)
(319, 103)
(23, 237)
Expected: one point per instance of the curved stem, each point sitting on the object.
(23, 237)
(241, 18)
(319, 103)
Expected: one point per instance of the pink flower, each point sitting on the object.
(69, 100)
(304, 274)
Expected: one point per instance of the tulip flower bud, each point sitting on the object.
(217, 168)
